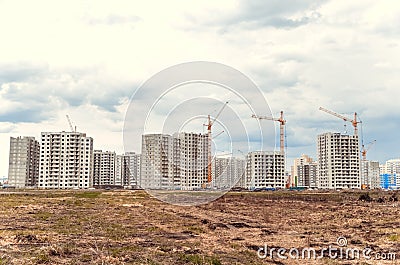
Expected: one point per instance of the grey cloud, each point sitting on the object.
(20, 72)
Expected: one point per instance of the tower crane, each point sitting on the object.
(209, 127)
(70, 124)
(364, 149)
(282, 122)
(354, 122)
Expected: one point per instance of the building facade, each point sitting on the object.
(370, 174)
(66, 161)
(23, 170)
(156, 168)
(338, 161)
(134, 168)
(265, 169)
(103, 168)
(390, 174)
(177, 162)
(228, 172)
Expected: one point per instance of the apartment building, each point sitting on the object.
(156, 167)
(390, 174)
(177, 162)
(370, 174)
(338, 161)
(134, 168)
(103, 168)
(304, 172)
(265, 169)
(228, 172)
(23, 170)
(190, 160)
(66, 160)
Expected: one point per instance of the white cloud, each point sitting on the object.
(86, 58)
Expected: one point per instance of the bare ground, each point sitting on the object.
(131, 227)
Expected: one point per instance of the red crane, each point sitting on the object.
(354, 122)
(209, 127)
(282, 123)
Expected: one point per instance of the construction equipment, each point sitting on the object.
(209, 127)
(282, 122)
(364, 149)
(70, 124)
(354, 122)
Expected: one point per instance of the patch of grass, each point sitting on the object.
(43, 258)
(198, 259)
(195, 229)
(394, 238)
(88, 194)
(43, 215)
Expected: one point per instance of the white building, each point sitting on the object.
(174, 162)
(66, 160)
(104, 168)
(390, 174)
(156, 168)
(370, 174)
(228, 172)
(307, 174)
(265, 169)
(190, 160)
(23, 170)
(134, 168)
(338, 161)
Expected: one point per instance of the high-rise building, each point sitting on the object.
(174, 162)
(66, 160)
(370, 174)
(390, 174)
(190, 160)
(23, 170)
(122, 171)
(156, 168)
(228, 172)
(304, 172)
(134, 168)
(304, 159)
(104, 168)
(338, 161)
(265, 169)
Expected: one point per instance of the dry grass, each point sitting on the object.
(130, 227)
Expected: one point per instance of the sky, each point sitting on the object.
(87, 58)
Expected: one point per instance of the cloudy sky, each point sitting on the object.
(87, 58)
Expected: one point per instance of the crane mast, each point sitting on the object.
(282, 123)
(209, 128)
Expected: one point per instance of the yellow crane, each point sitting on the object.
(354, 122)
(282, 123)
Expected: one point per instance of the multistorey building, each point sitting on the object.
(265, 169)
(228, 172)
(390, 174)
(190, 160)
(156, 168)
(23, 170)
(103, 168)
(304, 172)
(66, 160)
(134, 168)
(370, 175)
(178, 162)
(338, 161)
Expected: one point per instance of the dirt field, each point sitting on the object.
(130, 227)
